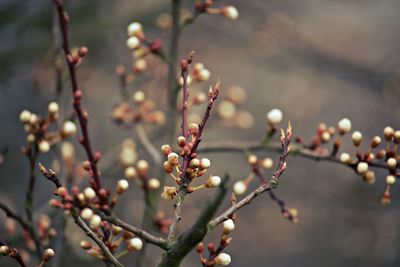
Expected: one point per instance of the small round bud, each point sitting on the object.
(239, 188)
(274, 116)
(362, 167)
(142, 165)
(194, 163)
(181, 141)
(369, 177)
(139, 97)
(325, 136)
(53, 108)
(213, 181)
(154, 183)
(228, 226)
(344, 125)
(140, 65)
(133, 42)
(390, 179)
(85, 245)
(173, 158)
(169, 192)
(83, 51)
(267, 163)
(95, 221)
(122, 186)
(44, 146)
(222, 259)
(166, 149)
(89, 193)
(87, 213)
(356, 138)
(168, 167)
(392, 163)
(69, 128)
(230, 12)
(388, 132)
(252, 159)
(193, 128)
(34, 119)
(135, 244)
(130, 173)
(134, 29)
(376, 141)
(4, 250)
(205, 163)
(396, 137)
(345, 158)
(25, 116)
(47, 255)
(204, 75)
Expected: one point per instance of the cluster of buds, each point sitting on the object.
(229, 111)
(76, 56)
(45, 230)
(139, 109)
(199, 74)
(37, 128)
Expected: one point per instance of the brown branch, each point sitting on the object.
(14, 253)
(147, 144)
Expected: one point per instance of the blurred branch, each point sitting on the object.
(147, 144)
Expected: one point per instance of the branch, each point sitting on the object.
(13, 253)
(144, 139)
(149, 238)
(195, 234)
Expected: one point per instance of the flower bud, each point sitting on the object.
(213, 181)
(376, 141)
(154, 183)
(25, 116)
(205, 163)
(44, 146)
(274, 116)
(130, 173)
(166, 149)
(362, 167)
(122, 186)
(139, 97)
(325, 136)
(87, 213)
(344, 125)
(142, 166)
(173, 158)
(85, 245)
(169, 192)
(194, 163)
(140, 65)
(204, 75)
(392, 163)
(95, 221)
(181, 141)
(133, 42)
(230, 12)
(134, 29)
(396, 137)
(135, 244)
(168, 167)
(356, 138)
(53, 108)
(252, 160)
(228, 226)
(388, 132)
(369, 177)
(222, 259)
(4, 250)
(239, 188)
(89, 193)
(390, 179)
(69, 129)
(193, 128)
(47, 255)
(267, 163)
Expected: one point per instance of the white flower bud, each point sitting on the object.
(205, 163)
(53, 108)
(388, 132)
(69, 128)
(44, 146)
(4, 250)
(390, 179)
(140, 65)
(134, 29)
(122, 186)
(392, 163)
(95, 221)
(345, 158)
(154, 183)
(229, 226)
(135, 244)
(133, 42)
(274, 116)
(25, 116)
(267, 163)
(230, 12)
(89, 193)
(142, 165)
(362, 167)
(139, 97)
(326, 136)
(357, 138)
(252, 159)
(222, 259)
(213, 181)
(130, 173)
(239, 188)
(344, 125)
(48, 254)
(204, 74)
(87, 213)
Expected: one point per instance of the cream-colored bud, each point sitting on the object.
(166, 149)
(139, 97)
(95, 221)
(142, 165)
(344, 125)
(267, 163)
(154, 183)
(392, 163)
(85, 244)
(30, 138)
(194, 163)
(370, 177)
(325, 137)
(388, 132)
(274, 116)
(193, 128)
(390, 179)
(25, 116)
(222, 259)
(44, 146)
(376, 141)
(362, 167)
(53, 108)
(205, 163)
(169, 192)
(228, 226)
(130, 173)
(122, 186)
(345, 158)
(48, 254)
(89, 193)
(252, 159)
(4, 250)
(140, 65)
(87, 213)
(134, 29)
(133, 42)
(173, 158)
(69, 128)
(135, 244)
(356, 138)
(239, 188)
(230, 12)
(213, 181)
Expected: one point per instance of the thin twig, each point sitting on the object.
(147, 144)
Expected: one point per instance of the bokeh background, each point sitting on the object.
(317, 60)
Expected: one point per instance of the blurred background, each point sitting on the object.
(317, 60)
